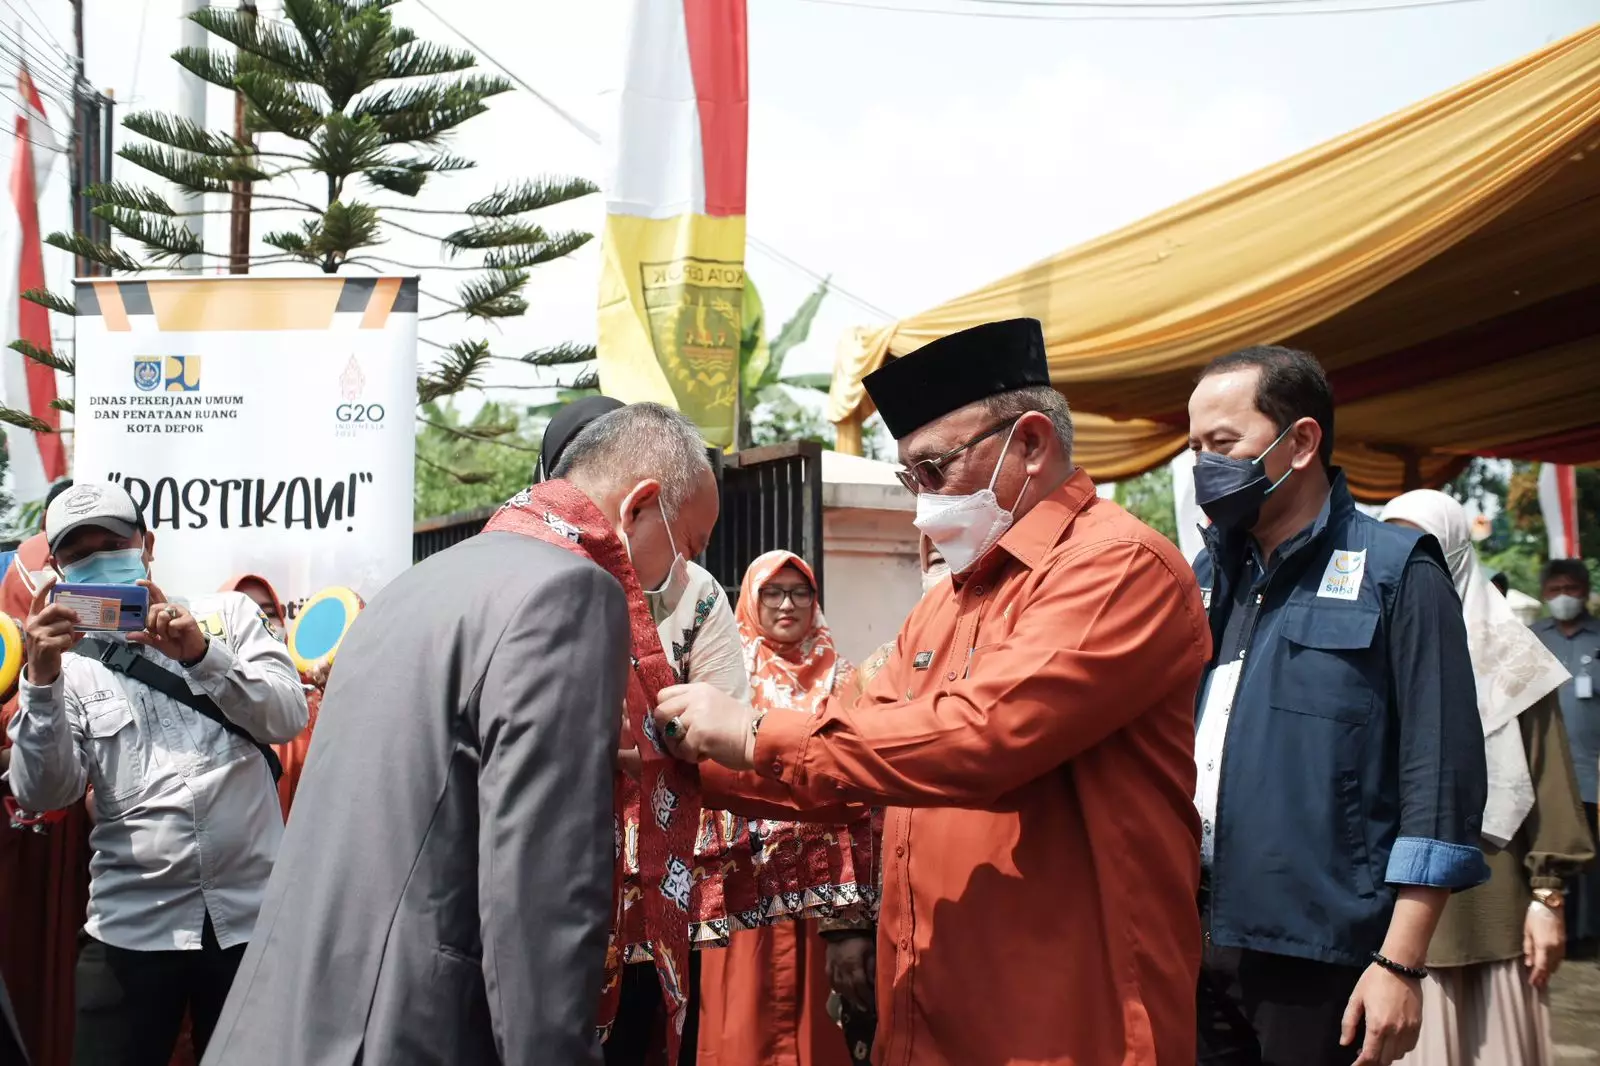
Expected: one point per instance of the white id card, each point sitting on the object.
(1583, 686)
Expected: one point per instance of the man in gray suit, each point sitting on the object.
(443, 892)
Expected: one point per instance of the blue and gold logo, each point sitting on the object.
(147, 372)
(183, 373)
(169, 373)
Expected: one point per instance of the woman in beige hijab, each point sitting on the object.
(1497, 945)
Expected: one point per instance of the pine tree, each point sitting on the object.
(355, 108)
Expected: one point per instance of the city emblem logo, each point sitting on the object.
(169, 373)
(695, 309)
(147, 372)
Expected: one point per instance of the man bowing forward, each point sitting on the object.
(1032, 735)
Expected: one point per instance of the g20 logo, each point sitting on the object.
(359, 413)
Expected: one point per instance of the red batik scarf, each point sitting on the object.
(559, 514)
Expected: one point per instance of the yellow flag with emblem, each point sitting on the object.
(672, 282)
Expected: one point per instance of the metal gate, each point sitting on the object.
(771, 499)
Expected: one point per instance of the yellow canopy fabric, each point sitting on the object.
(1443, 263)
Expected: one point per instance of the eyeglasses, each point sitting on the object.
(927, 475)
(774, 595)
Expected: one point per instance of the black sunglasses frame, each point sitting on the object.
(810, 595)
(914, 483)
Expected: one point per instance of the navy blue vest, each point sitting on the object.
(1308, 804)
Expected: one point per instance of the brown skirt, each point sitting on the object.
(1483, 1015)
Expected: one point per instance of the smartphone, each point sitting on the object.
(104, 608)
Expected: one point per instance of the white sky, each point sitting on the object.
(913, 157)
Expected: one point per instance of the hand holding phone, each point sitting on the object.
(170, 629)
(103, 608)
(51, 630)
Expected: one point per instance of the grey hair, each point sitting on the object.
(638, 442)
(1046, 400)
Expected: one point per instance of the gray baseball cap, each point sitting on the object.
(100, 504)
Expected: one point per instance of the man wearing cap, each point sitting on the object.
(167, 725)
(1032, 736)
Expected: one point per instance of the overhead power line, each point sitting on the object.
(42, 68)
(593, 136)
(45, 33)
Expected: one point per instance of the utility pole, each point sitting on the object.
(77, 168)
(239, 219)
(192, 106)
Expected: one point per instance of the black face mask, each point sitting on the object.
(1231, 491)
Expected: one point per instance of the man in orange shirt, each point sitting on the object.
(1032, 736)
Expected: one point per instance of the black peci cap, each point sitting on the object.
(951, 372)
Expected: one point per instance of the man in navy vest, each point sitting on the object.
(1340, 760)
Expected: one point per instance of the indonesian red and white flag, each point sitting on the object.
(37, 459)
(1558, 502)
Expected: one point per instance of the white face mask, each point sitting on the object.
(933, 575)
(1565, 608)
(664, 599)
(964, 528)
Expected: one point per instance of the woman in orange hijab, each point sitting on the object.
(763, 998)
(292, 754)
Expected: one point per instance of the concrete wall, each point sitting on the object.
(870, 553)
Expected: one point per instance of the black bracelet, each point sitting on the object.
(1416, 973)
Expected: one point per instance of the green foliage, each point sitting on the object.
(132, 197)
(45, 358)
(1520, 566)
(11, 416)
(1519, 544)
(49, 301)
(343, 93)
(561, 355)
(768, 412)
(762, 385)
(1148, 498)
(473, 467)
(22, 525)
(164, 240)
(77, 244)
(530, 196)
(461, 367)
(495, 295)
(782, 419)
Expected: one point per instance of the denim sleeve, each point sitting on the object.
(1443, 780)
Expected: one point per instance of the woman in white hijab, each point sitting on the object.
(1496, 946)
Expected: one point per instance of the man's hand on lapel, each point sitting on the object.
(701, 722)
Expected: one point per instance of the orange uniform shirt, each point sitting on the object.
(1033, 736)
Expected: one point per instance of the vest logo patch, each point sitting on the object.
(1205, 599)
(1342, 579)
(923, 660)
(212, 625)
